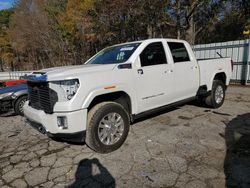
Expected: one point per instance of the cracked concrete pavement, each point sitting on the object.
(187, 146)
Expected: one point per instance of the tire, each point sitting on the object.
(18, 106)
(217, 96)
(116, 126)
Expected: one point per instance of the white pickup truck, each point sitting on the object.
(97, 101)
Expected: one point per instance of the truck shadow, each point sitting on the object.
(155, 114)
(91, 173)
(237, 160)
(69, 142)
(7, 114)
(169, 109)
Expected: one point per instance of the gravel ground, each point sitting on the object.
(188, 146)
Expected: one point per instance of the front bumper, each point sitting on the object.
(47, 123)
(72, 137)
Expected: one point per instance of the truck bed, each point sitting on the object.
(212, 66)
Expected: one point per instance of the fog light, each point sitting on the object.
(62, 122)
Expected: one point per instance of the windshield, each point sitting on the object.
(114, 55)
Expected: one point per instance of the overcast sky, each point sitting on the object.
(5, 4)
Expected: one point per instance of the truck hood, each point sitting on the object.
(70, 72)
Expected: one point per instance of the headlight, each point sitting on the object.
(66, 89)
(5, 95)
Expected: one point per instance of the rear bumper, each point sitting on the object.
(48, 123)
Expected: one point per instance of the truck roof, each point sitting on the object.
(151, 40)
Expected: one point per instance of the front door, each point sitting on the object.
(154, 78)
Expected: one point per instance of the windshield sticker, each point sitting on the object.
(120, 56)
(127, 48)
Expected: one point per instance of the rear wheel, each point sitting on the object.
(217, 96)
(18, 106)
(108, 127)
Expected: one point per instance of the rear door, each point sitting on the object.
(154, 78)
(186, 72)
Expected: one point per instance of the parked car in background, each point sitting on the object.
(7, 83)
(13, 97)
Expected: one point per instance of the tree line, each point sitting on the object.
(36, 34)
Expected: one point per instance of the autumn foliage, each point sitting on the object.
(36, 34)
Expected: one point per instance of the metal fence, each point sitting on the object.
(239, 52)
(13, 75)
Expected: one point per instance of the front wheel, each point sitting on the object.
(108, 127)
(18, 106)
(217, 96)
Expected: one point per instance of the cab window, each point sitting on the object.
(153, 54)
(114, 54)
(179, 52)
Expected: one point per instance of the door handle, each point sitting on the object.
(140, 71)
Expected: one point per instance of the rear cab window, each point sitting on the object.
(179, 52)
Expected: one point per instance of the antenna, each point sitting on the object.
(219, 54)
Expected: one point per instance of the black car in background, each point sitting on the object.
(13, 97)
